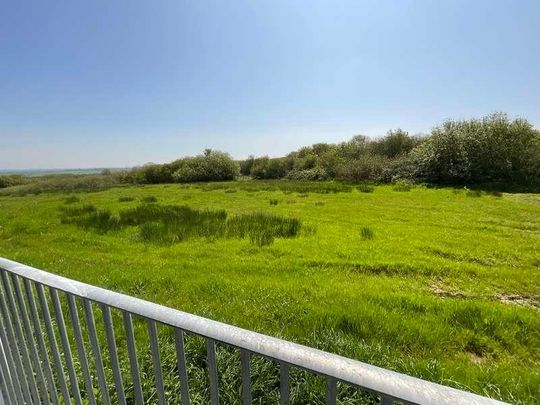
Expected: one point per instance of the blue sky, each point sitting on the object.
(124, 82)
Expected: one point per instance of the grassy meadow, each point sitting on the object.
(443, 284)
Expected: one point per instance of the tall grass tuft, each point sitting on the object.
(71, 199)
(262, 228)
(126, 199)
(365, 188)
(366, 233)
(403, 185)
(149, 199)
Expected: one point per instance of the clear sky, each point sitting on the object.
(117, 83)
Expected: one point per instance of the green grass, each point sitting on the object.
(432, 293)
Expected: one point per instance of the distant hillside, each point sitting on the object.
(47, 172)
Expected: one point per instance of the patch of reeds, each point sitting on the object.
(167, 224)
(89, 217)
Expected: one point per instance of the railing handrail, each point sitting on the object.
(366, 376)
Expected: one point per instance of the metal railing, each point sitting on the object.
(58, 356)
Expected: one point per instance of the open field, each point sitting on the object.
(443, 284)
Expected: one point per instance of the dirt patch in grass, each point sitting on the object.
(461, 257)
(476, 358)
(440, 292)
(529, 301)
(391, 270)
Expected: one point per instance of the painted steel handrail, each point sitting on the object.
(21, 356)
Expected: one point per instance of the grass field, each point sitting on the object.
(442, 284)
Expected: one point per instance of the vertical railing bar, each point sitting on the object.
(4, 393)
(12, 357)
(11, 364)
(30, 336)
(54, 345)
(77, 332)
(6, 374)
(133, 363)
(331, 391)
(212, 371)
(113, 355)
(41, 341)
(284, 390)
(16, 320)
(246, 377)
(182, 369)
(96, 351)
(65, 344)
(158, 373)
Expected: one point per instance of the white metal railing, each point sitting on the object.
(37, 349)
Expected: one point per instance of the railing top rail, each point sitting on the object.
(390, 383)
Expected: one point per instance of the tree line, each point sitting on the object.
(493, 149)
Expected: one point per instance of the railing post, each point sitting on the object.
(212, 371)
(133, 363)
(96, 351)
(182, 370)
(158, 373)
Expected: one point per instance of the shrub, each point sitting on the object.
(273, 202)
(368, 167)
(150, 173)
(493, 149)
(395, 143)
(12, 180)
(266, 168)
(210, 166)
(126, 199)
(247, 165)
(316, 173)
